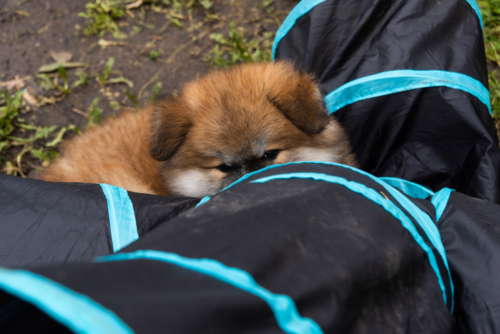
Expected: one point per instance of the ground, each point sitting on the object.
(66, 65)
(153, 49)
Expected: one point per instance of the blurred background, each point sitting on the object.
(67, 65)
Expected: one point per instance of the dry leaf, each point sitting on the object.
(29, 98)
(61, 57)
(78, 111)
(50, 100)
(104, 43)
(17, 83)
(129, 12)
(44, 28)
(22, 12)
(55, 66)
(134, 4)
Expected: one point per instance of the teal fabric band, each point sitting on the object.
(304, 6)
(283, 307)
(203, 201)
(122, 222)
(297, 12)
(424, 221)
(474, 6)
(409, 188)
(77, 312)
(390, 82)
(440, 201)
(378, 199)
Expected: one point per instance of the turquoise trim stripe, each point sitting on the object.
(77, 312)
(422, 218)
(283, 307)
(375, 197)
(474, 6)
(298, 11)
(409, 188)
(425, 223)
(122, 222)
(440, 200)
(390, 82)
(203, 201)
(305, 6)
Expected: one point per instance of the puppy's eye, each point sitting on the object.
(224, 168)
(270, 155)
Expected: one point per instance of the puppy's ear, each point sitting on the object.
(301, 102)
(171, 124)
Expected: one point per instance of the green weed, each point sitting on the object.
(104, 78)
(235, 48)
(38, 141)
(132, 98)
(490, 11)
(48, 81)
(101, 16)
(207, 4)
(493, 79)
(94, 114)
(115, 105)
(153, 54)
(155, 91)
(8, 112)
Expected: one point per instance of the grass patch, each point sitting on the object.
(48, 81)
(102, 15)
(237, 48)
(18, 138)
(490, 11)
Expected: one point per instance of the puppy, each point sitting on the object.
(221, 127)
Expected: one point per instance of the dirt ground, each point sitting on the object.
(31, 30)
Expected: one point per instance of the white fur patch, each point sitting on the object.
(194, 183)
(314, 154)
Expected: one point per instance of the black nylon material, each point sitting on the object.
(341, 41)
(19, 317)
(43, 222)
(157, 297)
(470, 230)
(319, 243)
(46, 223)
(150, 209)
(346, 262)
(438, 137)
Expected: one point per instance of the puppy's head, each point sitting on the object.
(239, 120)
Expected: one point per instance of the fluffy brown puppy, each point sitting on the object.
(221, 127)
(115, 153)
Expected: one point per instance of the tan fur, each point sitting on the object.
(228, 117)
(115, 153)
